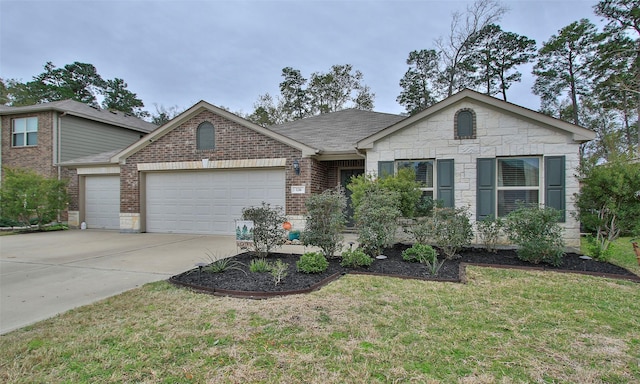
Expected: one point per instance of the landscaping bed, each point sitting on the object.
(241, 282)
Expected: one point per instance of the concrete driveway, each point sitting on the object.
(44, 274)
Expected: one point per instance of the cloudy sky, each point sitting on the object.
(175, 53)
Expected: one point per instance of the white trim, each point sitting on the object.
(217, 164)
(106, 170)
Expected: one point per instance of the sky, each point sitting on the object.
(175, 53)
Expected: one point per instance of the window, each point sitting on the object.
(518, 182)
(465, 124)
(424, 173)
(206, 136)
(24, 132)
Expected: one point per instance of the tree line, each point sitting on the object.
(583, 75)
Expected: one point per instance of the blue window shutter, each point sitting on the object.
(446, 182)
(385, 168)
(486, 188)
(554, 183)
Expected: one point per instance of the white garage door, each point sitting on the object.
(102, 202)
(208, 202)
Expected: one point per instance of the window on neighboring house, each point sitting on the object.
(465, 124)
(424, 173)
(24, 132)
(206, 136)
(518, 182)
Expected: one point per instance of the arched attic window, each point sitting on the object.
(206, 136)
(465, 124)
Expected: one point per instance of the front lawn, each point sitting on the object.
(621, 253)
(503, 326)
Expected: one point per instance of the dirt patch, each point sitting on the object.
(242, 282)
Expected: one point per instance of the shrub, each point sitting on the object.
(223, 265)
(312, 262)
(537, 234)
(489, 230)
(28, 198)
(259, 265)
(609, 201)
(376, 219)
(420, 230)
(404, 184)
(268, 233)
(325, 221)
(419, 253)
(279, 271)
(451, 230)
(355, 258)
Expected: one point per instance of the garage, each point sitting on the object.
(102, 202)
(208, 202)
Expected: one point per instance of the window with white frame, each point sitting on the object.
(424, 173)
(518, 183)
(24, 132)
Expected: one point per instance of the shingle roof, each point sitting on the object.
(76, 108)
(337, 131)
(99, 158)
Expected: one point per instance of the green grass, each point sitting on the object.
(504, 326)
(622, 253)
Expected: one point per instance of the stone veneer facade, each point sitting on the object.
(499, 134)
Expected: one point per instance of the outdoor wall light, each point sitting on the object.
(296, 167)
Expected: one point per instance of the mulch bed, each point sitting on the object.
(243, 283)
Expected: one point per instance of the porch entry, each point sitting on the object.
(345, 178)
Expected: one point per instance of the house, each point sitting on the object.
(196, 173)
(42, 136)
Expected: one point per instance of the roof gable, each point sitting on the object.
(194, 111)
(76, 108)
(578, 134)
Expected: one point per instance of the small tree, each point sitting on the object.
(376, 217)
(27, 197)
(537, 234)
(268, 233)
(489, 230)
(609, 202)
(451, 229)
(325, 221)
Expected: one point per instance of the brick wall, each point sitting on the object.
(39, 157)
(232, 142)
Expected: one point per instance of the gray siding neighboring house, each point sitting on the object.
(65, 130)
(81, 137)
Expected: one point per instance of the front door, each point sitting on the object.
(345, 178)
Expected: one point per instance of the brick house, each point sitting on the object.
(196, 173)
(42, 136)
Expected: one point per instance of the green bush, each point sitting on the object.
(537, 234)
(404, 184)
(420, 229)
(28, 198)
(268, 233)
(312, 262)
(355, 258)
(259, 265)
(609, 201)
(489, 230)
(420, 253)
(325, 221)
(376, 218)
(451, 229)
